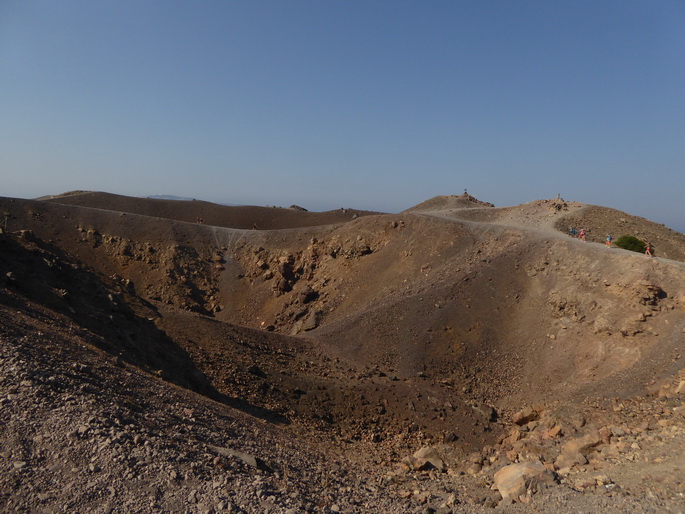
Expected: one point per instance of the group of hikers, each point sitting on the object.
(582, 235)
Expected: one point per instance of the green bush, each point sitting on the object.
(631, 243)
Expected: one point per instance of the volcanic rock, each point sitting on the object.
(517, 480)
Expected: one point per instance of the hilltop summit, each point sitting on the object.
(438, 203)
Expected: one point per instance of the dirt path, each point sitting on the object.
(534, 219)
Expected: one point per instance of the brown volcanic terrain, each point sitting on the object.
(245, 217)
(275, 360)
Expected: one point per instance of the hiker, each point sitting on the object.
(648, 249)
(582, 234)
(609, 239)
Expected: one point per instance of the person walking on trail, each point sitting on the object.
(648, 249)
(609, 240)
(582, 234)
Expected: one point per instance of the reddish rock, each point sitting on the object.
(576, 450)
(516, 480)
(553, 432)
(429, 455)
(525, 416)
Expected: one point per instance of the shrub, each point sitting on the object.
(631, 243)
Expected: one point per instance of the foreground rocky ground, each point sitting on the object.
(85, 432)
(127, 386)
(82, 431)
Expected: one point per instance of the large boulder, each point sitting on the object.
(430, 454)
(576, 450)
(424, 459)
(521, 479)
(311, 321)
(525, 416)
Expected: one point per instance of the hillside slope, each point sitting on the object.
(240, 217)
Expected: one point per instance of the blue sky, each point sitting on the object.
(368, 104)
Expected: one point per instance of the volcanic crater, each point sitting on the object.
(166, 355)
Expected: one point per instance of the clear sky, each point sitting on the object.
(373, 104)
